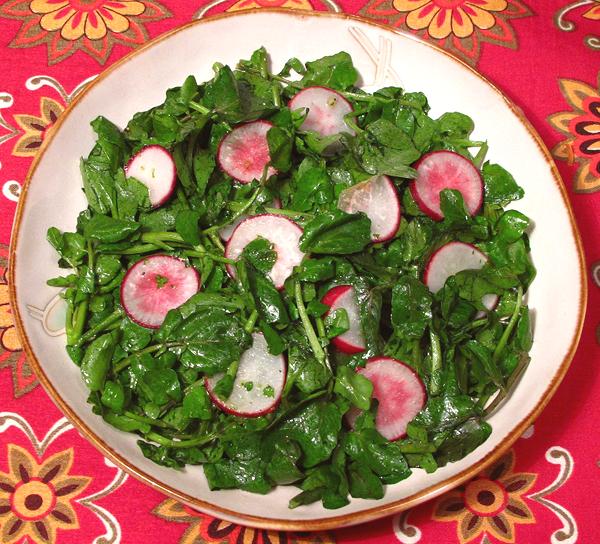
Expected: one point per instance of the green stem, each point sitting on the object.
(509, 328)
(154, 237)
(124, 363)
(288, 213)
(240, 212)
(79, 319)
(199, 441)
(249, 325)
(308, 328)
(199, 107)
(135, 250)
(144, 419)
(217, 258)
(99, 327)
(436, 364)
(512, 379)
(321, 328)
(214, 238)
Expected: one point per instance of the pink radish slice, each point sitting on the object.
(343, 296)
(378, 199)
(226, 232)
(326, 110)
(154, 166)
(282, 232)
(155, 285)
(400, 392)
(244, 152)
(451, 259)
(258, 384)
(441, 170)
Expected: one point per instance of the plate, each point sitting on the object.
(52, 196)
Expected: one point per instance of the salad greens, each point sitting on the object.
(152, 381)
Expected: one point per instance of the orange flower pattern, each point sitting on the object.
(205, 529)
(257, 4)
(34, 128)
(581, 128)
(460, 26)
(11, 353)
(491, 503)
(35, 498)
(91, 26)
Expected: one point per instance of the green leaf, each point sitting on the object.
(500, 187)
(354, 387)
(336, 232)
(334, 71)
(197, 403)
(96, 361)
(281, 145)
(411, 308)
(186, 225)
(108, 229)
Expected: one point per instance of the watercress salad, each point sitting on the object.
(291, 281)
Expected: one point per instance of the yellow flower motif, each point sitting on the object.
(35, 499)
(491, 503)
(34, 127)
(593, 13)
(92, 18)
(444, 17)
(8, 335)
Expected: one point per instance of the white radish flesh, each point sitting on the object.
(344, 297)
(378, 199)
(155, 285)
(282, 232)
(154, 166)
(258, 384)
(441, 170)
(326, 110)
(243, 154)
(451, 259)
(399, 391)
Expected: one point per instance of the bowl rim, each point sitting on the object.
(335, 521)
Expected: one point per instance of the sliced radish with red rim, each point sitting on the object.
(378, 199)
(441, 170)
(226, 232)
(154, 166)
(155, 285)
(244, 152)
(344, 297)
(282, 232)
(258, 384)
(399, 391)
(326, 110)
(450, 259)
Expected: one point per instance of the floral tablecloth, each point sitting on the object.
(56, 488)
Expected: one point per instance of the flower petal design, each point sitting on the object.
(470, 526)
(489, 5)
(73, 485)
(451, 506)
(501, 467)
(74, 28)
(113, 20)
(126, 8)
(462, 26)
(95, 27)
(520, 483)
(519, 511)
(64, 516)
(55, 20)
(56, 466)
(410, 5)
(421, 17)
(576, 92)
(12, 529)
(480, 17)
(441, 25)
(47, 6)
(20, 464)
(502, 528)
(9, 339)
(593, 13)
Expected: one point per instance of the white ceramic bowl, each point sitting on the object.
(53, 196)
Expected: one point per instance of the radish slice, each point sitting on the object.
(154, 166)
(451, 259)
(244, 152)
(343, 296)
(258, 384)
(282, 232)
(155, 285)
(226, 232)
(400, 392)
(326, 110)
(441, 170)
(378, 199)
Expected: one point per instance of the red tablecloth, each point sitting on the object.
(545, 55)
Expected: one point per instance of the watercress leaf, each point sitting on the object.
(336, 232)
(334, 71)
(260, 254)
(113, 396)
(500, 187)
(96, 361)
(186, 225)
(267, 298)
(353, 386)
(282, 469)
(203, 166)
(159, 454)
(197, 403)
(304, 371)
(462, 440)
(364, 484)
(311, 186)
(159, 385)
(281, 144)
(411, 307)
(109, 229)
(246, 474)
(337, 322)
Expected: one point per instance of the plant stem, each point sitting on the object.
(199, 107)
(216, 241)
(204, 253)
(509, 328)
(199, 441)
(79, 319)
(240, 212)
(512, 379)
(308, 328)
(99, 327)
(144, 419)
(251, 321)
(288, 213)
(124, 363)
